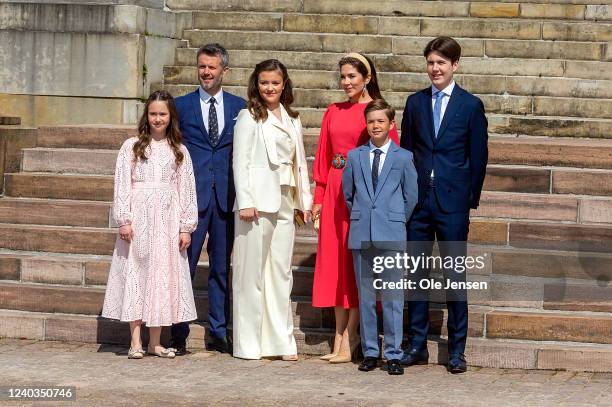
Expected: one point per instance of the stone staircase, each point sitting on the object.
(545, 221)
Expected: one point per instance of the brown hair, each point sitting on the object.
(256, 105)
(447, 46)
(380, 104)
(173, 131)
(372, 86)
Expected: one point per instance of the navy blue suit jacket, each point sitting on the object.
(210, 164)
(458, 155)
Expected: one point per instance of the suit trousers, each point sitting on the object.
(262, 283)
(219, 227)
(392, 301)
(429, 222)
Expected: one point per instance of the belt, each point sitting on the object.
(338, 161)
(431, 182)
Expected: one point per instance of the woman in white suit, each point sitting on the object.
(272, 187)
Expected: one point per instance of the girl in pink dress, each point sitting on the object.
(155, 207)
(343, 129)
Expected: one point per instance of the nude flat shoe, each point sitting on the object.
(290, 358)
(328, 356)
(136, 353)
(347, 357)
(166, 354)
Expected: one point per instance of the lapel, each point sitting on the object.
(197, 108)
(454, 103)
(387, 165)
(268, 128)
(364, 160)
(427, 113)
(227, 115)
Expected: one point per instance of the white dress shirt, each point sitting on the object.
(447, 92)
(205, 105)
(384, 149)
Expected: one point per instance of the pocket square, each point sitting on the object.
(235, 118)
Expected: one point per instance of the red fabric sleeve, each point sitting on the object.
(323, 158)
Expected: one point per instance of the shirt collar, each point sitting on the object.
(384, 148)
(447, 90)
(205, 96)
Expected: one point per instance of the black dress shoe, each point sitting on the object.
(179, 346)
(219, 345)
(457, 364)
(394, 367)
(415, 357)
(368, 364)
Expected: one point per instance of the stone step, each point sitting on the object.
(501, 47)
(95, 136)
(59, 186)
(56, 212)
(500, 104)
(70, 160)
(9, 121)
(514, 277)
(412, 82)
(508, 324)
(508, 64)
(482, 352)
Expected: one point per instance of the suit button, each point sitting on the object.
(373, 206)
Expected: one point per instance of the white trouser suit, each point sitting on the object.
(270, 174)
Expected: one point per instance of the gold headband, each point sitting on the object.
(361, 59)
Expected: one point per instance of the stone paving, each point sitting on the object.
(104, 376)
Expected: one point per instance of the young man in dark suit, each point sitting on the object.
(446, 129)
(207, 118)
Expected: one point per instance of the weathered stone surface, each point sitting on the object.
(598, 12)
(55, 186)
(84, 329)
(51, 271)
(57, 239)
(45, 298)
(590, 360)
(53, 212)
(488, 232)
(391, 7)
(563, 87)
(546, 10)
(415, 46)
(236, 5)
(596, 296)
(399, 26)
(589, 108)
(522, 206)
(14, 325)
(104, 137)
(79, 161)
(543, 49)
(291, 41)
(561, 237)
(549, 327)
(576, 31)
(588, 70)
(552, 126)
(96, 272)
(9, 120)
(503, 178)
(317, 23)
(507, 104)
(511, 29)
(595, 211)
(10, 268)
(237, 21)
(491, 9)
(582, 182)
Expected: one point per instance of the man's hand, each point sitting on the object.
(126, 233)
(248, 214)
(184, 240)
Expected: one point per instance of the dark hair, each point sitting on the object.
(173, 131)
(380, 104)
(372, 86)
(256, 105)
(447, 46)
(215, 49)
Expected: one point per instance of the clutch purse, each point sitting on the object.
(316, 222)
(299, 218)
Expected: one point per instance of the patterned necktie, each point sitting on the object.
(213, 124)
(437, 112)
(375, 165)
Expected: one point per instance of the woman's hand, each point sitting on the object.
(307, 216)
(248, 214)
(126, 233)
(316, 210)
(184, 240)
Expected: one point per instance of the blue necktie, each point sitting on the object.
(375, 165)
(213, 124)
(437, 112)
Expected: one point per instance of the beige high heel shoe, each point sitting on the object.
(328, 356)
(345, 358)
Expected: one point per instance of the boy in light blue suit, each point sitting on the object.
(380, 188)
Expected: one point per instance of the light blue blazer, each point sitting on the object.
(379, 216)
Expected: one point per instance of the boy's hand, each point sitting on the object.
(126, 233)
(184, 240)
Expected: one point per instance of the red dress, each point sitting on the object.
(343, 129)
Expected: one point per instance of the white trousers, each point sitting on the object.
(262, 282)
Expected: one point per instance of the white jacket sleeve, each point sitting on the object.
(244, 137)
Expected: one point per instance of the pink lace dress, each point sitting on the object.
(149, 278)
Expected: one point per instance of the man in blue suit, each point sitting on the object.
(380, 188)
(446, 129)
(207, 117)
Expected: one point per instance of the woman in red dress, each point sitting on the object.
(343, 129)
